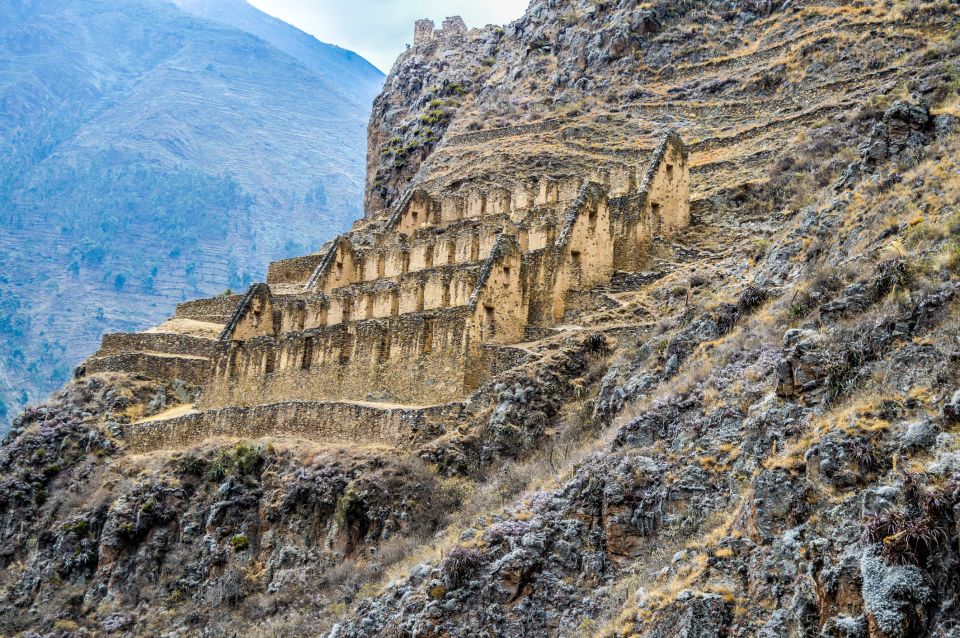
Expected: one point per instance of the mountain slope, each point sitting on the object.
(757, 433)
(337, 66)
(145, 154)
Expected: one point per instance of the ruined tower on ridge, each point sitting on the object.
(423, 32)
(452, 31)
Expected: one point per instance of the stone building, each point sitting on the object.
(423, 303)
(452, 31)
(423, 32)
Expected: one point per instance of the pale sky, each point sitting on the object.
(380, 29)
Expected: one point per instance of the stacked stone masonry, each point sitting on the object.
(421, 306)
(453, 29)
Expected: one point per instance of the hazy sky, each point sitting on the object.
(380, 29)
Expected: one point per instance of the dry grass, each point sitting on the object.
(859, 415)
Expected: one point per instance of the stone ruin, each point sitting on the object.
(452, 31)
(423, 32)
(412, 311)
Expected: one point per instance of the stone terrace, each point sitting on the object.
(418, 306)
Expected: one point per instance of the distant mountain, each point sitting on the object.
(334, 64)
(151, 153)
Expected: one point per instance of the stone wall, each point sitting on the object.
(293, 271)
(163, 342)
(491, 361)
(215, 309)
(477, 137)
(411, 359)
(193, 370)
(326, 422)
(299, 312)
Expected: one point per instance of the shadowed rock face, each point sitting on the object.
(144, 154)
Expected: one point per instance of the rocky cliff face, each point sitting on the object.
(423, 94)
(756, 435)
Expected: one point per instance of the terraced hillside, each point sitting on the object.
(741, 88)
(144, 152)
(751, 432)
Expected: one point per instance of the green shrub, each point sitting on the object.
(190, 465)
(242, 461)
(434, 116)
(350, 507)
(239, 542)
(78, 527)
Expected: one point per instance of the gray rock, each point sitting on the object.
(879, 498)
(894, 595)
(117, 622)
(845, 627)
(944, 125)
(918, 435)
(951, 409)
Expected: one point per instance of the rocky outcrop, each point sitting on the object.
(207, 528)
(426, 89)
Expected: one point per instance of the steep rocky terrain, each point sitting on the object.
(757, 435)
(144, 153)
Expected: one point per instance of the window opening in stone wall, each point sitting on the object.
(553, 193)
(655, 209)
(427, 346)
(346, 349)
(232, 365)
(592, 219)
(256, 309)
(506, 276)
(575, 258)
(339, 269)
(383, 352)
(420, 298)
(488, 321)
(271, 362)
(670, 171)
(307, 354)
